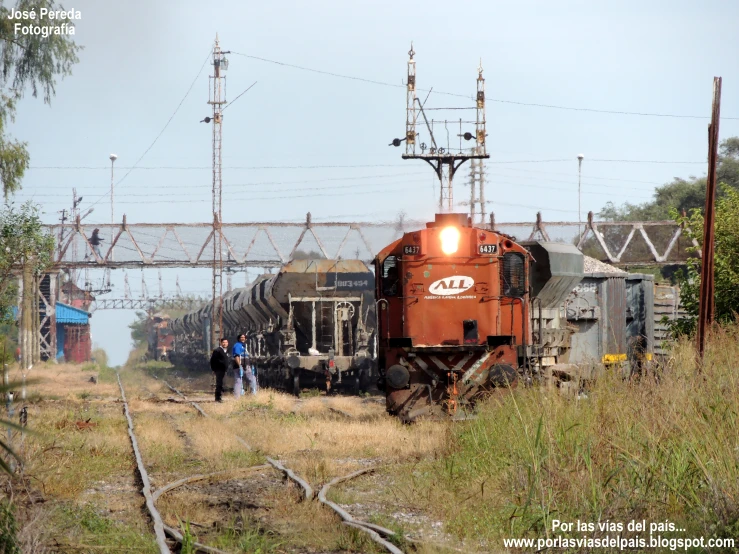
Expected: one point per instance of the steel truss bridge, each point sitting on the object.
(272, 244)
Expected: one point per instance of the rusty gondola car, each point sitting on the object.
(310, 325)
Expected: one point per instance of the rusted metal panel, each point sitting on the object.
(598, 308)
(615, 305)
(640, 314)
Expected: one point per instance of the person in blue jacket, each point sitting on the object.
(240, 351)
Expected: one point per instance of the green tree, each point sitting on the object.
(23, 241)
(138, 329)
(680, 194)
(726, 261)
(30, 61)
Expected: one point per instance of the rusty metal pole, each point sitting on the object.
(707, 300)
(217, 100)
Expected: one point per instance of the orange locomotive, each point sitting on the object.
(452, 310)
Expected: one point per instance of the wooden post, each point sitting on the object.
(706, 305)
(27, 325)
(36, 297)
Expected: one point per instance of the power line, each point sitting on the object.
(281, 196)
(208, 167)
(259, 183)
(163, 128)
(574, 176)
(252, 167)
(467, 96)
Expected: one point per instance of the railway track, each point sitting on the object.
(168, 537)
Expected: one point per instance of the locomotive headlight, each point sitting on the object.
(449, 240)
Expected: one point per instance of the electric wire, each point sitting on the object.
(351, 166)
(489, 99)
(160, 132)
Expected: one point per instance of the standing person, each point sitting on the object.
(239, 354)
(219, 363)
(244, 354)
(95, 241)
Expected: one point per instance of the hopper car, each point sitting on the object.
(309, 325)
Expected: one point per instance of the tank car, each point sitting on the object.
(454, 315)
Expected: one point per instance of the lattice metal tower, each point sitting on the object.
(477, 191)
(445, 161)
(217, 99)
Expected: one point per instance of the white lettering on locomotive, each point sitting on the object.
(448, 286)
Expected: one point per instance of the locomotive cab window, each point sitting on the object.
(512, 276)
(390, 276)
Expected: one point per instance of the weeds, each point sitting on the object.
(188, 539)
(649, 450)
(399, 537)
(8, 530)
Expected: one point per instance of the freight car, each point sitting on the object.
(310, 325)
(463, 310)
(159, 337)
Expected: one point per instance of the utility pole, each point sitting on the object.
(580, 158)
(75, 217)
(217, 100)
(444, 160)
(473, 188)
(707, 301)
(477, 192)
(113, 158)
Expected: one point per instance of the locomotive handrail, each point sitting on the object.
(387, 313)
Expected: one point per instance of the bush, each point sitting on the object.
(726, 262)
(8, 530)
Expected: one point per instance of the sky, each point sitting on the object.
(322, 141)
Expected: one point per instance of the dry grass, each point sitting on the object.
(660, 449)
(67, 381)
(218, 446)
(322, 448)
(92, 471)
(64, 460)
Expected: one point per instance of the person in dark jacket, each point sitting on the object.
(219, 363)
(95, 241)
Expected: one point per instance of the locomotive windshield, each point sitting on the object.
(390, 276)
(512, 277)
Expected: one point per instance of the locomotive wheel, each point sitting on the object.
(356, 385)
(296, 385)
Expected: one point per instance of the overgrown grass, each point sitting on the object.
(665, 448)
(86, 528)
